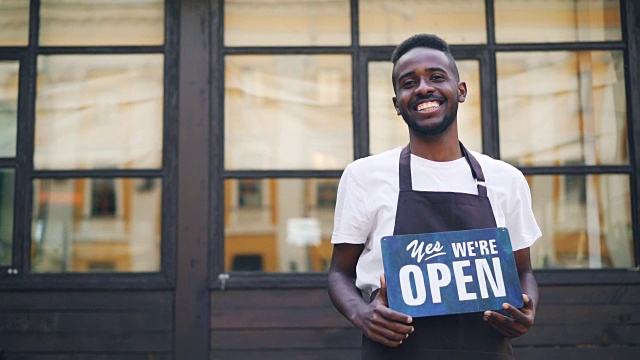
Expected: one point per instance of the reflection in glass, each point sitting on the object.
(389, 22)
(14, 22)
(562, 107)
(250, 193)
(90, 225)
(99, 111)
(290, 231)
(7, 189)
(585, 221)
(103, 198)
(388, 130)
(557, 21)
(101, 23)
(8, 107)
(286, 23)
(288, 112)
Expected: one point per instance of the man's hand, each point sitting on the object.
(375, 320)
(519, 322)
(381, 324)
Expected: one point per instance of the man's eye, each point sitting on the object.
(437, 78)
(408, 83)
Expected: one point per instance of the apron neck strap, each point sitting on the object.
(405, 170)
(476, 171)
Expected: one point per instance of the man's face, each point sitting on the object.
(427, 91)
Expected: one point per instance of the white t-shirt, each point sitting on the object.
(368, 197)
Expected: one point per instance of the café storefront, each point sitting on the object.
(168, 169)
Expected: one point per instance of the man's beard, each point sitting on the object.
(433, 131)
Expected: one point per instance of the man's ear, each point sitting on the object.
(462, 91)
(395, 105)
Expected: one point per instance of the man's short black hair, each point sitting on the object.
(423, 40)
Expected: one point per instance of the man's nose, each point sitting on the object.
(424, 87)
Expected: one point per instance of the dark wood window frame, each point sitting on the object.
(486, 55)
(18, 276)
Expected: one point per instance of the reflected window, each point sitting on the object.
(288, 112)
(99, 111)
(101, 266)
(389, 22)
(89, 225)
(562, 107)
(585, 221)
(8, 107)
(101, 23)
(247, 262)
(525, 21)
(286, 23)
(249, 193)
(326, 194)
(7, 190)
(291, 232)
(103, 197)
(387, 130)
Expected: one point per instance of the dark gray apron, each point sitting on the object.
(455, 337)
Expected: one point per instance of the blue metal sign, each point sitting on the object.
(450, 272)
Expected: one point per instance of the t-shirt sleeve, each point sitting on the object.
(522, 225)
(351, 222)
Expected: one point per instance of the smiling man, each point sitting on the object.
(433, 184)
(438, 106)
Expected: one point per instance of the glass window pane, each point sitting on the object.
(557, 21)
(388, 130)
(288, 112)
(101, 23)
(8, 107)
(389, 22)
(585, 221)
(7, 189)
(562, 108)
(14, 22)
(286, 23)
(96, 225)
(279, 225)
(99, 111)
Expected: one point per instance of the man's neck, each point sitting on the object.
(445, 147)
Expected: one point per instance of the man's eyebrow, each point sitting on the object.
(404, 75)
(437, 69)
(431, 69)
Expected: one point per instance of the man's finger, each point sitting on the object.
(503, 324)
(387, 313)
(388, 316)
(522, 314)
(382, 294)
(528, 302)
(517, 314)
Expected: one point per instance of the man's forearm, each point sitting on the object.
(344, 294)
(530, 287)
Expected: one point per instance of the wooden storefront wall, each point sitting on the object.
(86, 324)
(574, 322)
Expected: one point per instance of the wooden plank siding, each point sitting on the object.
(51, 325)
(279, 324)
(573, 322)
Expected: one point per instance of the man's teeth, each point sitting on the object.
(429, 105)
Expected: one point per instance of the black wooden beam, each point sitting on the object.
(631, 33)
(191, 315)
